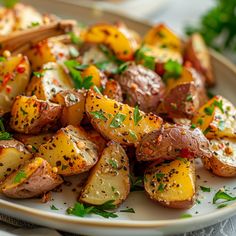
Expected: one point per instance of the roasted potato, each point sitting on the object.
(216, 118)
(7, 21)
(47, 51)
(171, 184)
(73, 102)
(50, 80)
(14, 76)
(117, 121)
(35, 178)
(32, 142)
(109, 35)
(113, 90)
(13, 154)
(171, 142)
(197, 53)
(109, 179)
(141, 86)
(30, 115)
(70, 151)
(223, 160)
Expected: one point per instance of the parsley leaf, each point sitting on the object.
(173, 69)
(19, 176)
(161, 187)
(2, 59)
(193, 126)
(98, 115)
(74, 38)
(102, 65)
(117, 120)
(159, 176)
(185, 215)
(137, 116)
(87, 82)
(205, 189)
(3, 134)
(129, 210)
(219, 104)
(189, 98)
(8, 3)
(113, 164)
(82, 210)
(122, 67)
(38, 74)
(52, 207)
(221, 195)
(222, 205)
(109, 54)
(133, 135)
(209, 110)
(142, 57)
(136, 183)
(34, 24)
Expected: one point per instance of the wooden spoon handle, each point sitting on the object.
(21, 39)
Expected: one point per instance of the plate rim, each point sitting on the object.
(11, 208)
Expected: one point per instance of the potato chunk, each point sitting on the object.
(118, 121)
(33, 179)
(216, 118)
(70, 151)
(50, 80)
(171, 184)
(109, 179)
(73, 102)
(13, 154)
(14, 77)
(30, 115)
(7, 21)
(223, 160)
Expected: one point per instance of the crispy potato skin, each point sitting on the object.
(216, 118)
(15, 74)
(113, 90)
(38, 179)
(13, 154)
(70, 151)
(172, 142)
(177, 181)
(73, 102)
(109, 35)
(141, 86)
(197, 53)
(127, 132)
(30, 115)
(223, 160)
(109, 179)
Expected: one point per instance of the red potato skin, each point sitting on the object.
(172, 142)
(141, 86)
(40, 182)
(113, 90)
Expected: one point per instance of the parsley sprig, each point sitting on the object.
(221, 195)
(173, 70)
(137, 117)
(103, 210)
(19, 176)
(3, 134)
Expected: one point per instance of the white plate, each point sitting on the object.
(150, 218)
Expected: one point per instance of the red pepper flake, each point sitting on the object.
(185, 153)
(6, 78)
(20, 69)
(8, 89)
(55, 82)
(61, 54)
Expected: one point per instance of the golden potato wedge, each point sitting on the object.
(30, 115)
(197, 53)
(171, 184)
(113, 90)
(32, 142)
(109, 35)
(70, 151)
(47, 51)
(223, 160)
(14, 77)
(73, 102)
(33, 179)
(50, 80)
(109, 179)
(117, 121)
(216, 118)
(13, 154)
(7, 21)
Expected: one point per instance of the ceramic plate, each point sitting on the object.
(149, 218)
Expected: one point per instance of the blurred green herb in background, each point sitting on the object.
(8, 3)
(218, 26)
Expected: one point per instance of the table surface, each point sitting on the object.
(177, 14)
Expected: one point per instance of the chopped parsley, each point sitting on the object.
(2, 59)
(34, 24)
(117, 120)
(200, 121)
(205, 189)
(161, 187)
(219, 104)
(129, 210)
(102, 65)
(209, 110)
(74, 38)
(159, 176)
(82, 210)
(189, 98)
(193, 126)
(111, 57)
(221, 195)
(19, 176)
(38, 74)
(136, 183)
(98, 115)
(141, 56)
(52, 207)
(113, 164)
(133, 135)
(222, 205)
(87, 82)
(185, 215)
(137, 116)
(3, 134)
(122, 67)
(173, 69)
(208, 129)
